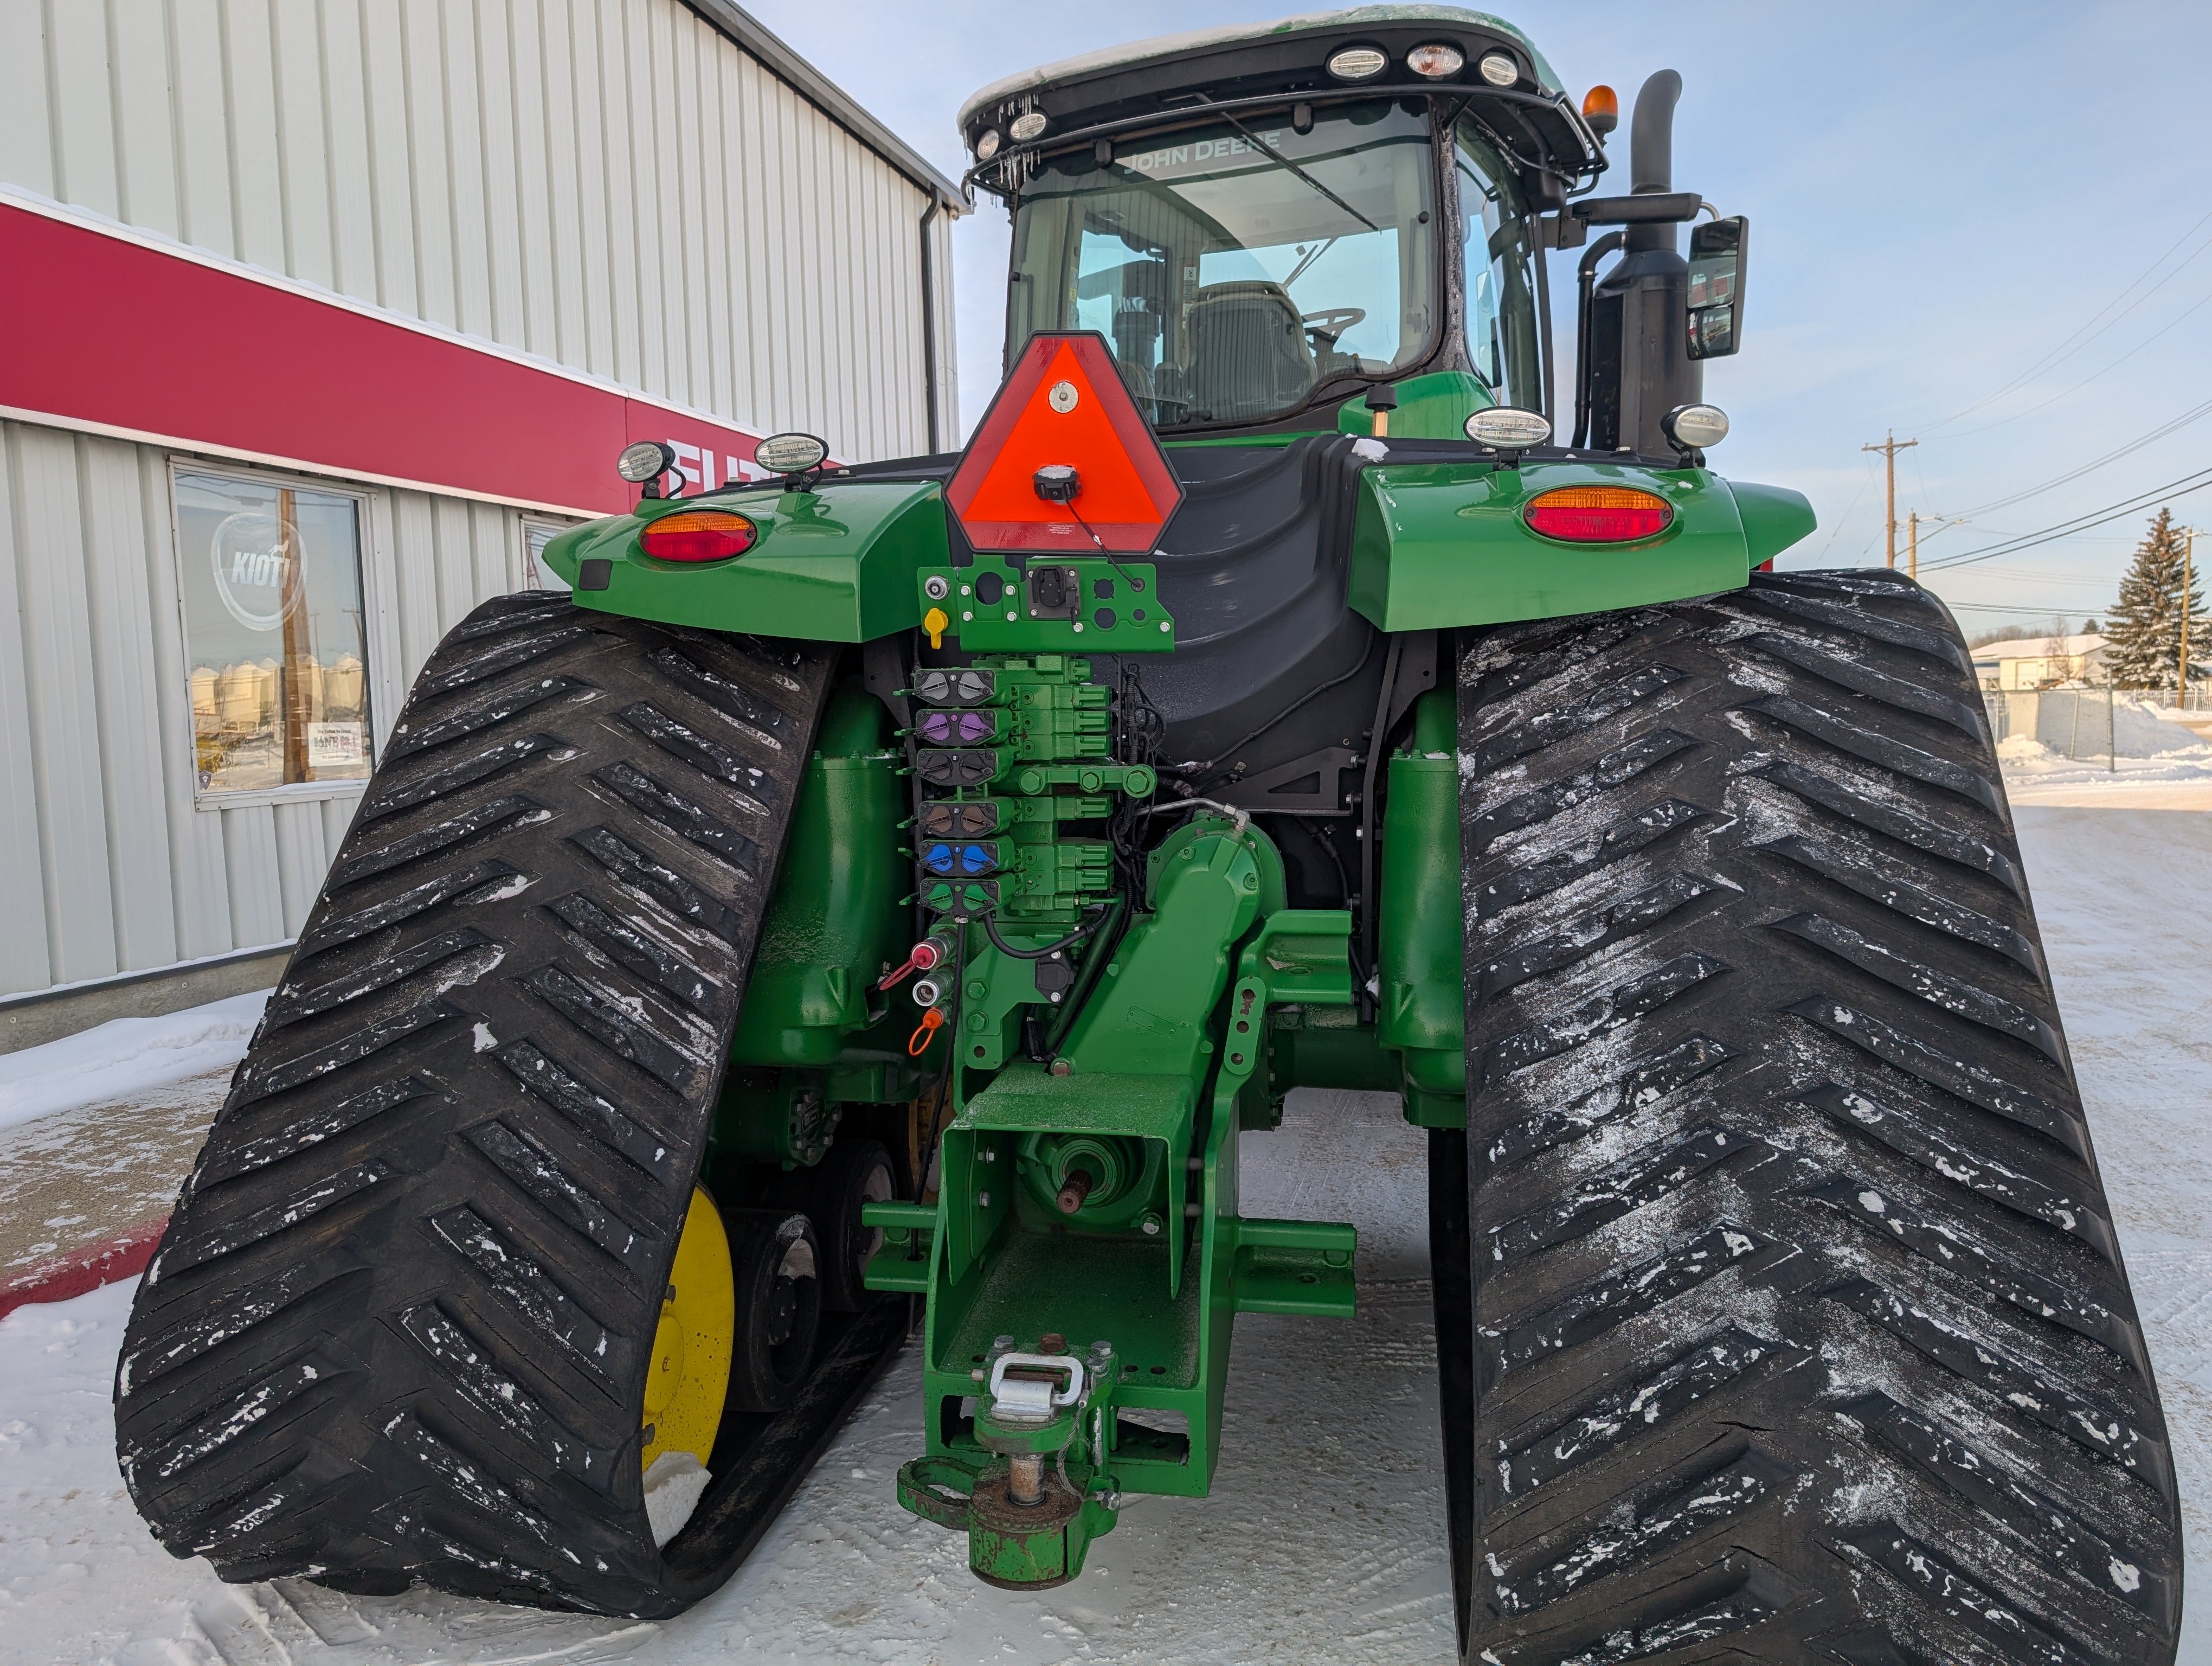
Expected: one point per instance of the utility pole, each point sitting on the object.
(2188, 567)
(1889, 448)
(1912, 548)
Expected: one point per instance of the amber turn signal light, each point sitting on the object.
(1598, 514)
(698, 535)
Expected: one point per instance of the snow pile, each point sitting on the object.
(125, 1056)
(673, 1486)
(2141, 730)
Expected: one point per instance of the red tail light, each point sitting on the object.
(1598, 514)
(698, 535)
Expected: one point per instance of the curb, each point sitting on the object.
(81, 1271)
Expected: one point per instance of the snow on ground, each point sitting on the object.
(2152, 742)
(125, 1056)
(93, 1173)
(2032, 770)
(2120, 893)
(1323, 1540)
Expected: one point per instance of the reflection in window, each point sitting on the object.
(1501, 282)
(1237, 269)
(536, 535)
(274, 634)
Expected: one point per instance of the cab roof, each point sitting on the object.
(1340, 22)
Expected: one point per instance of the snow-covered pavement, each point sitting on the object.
(97, 1128)
(125, 1057)
(1323, 1540)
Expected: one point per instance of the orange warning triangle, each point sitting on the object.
(1064, 404)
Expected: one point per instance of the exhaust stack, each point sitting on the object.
(1640, 361)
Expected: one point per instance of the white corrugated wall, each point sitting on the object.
(613, 185)
(110, 865)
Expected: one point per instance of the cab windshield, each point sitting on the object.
(1239, 267)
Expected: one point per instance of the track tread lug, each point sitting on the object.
(1882, 1337)
(451, 1172)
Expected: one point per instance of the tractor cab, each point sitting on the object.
(1268, 222)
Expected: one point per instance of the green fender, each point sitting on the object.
(836, 565)
(1437, 545)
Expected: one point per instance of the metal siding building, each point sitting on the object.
(565, 218)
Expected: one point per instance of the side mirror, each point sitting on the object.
(1717, 250)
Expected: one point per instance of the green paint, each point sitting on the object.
(1066, 1184)
(1435, 406)
(1102, 606)
(1774, 517)
(1061, 1459)
(812, 1037)
(1299, 1267)
(836, 564)
(1421, 1004)
(1323, 1047)
(836, 922)
(1440, 544)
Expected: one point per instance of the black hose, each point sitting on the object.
(1050, 948)
(1585, 292)
(1229, 752)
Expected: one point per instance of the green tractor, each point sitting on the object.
(864, 912)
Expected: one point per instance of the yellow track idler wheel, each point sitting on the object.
(690, 1376)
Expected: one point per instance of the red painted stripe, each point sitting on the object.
(86, 1270)
(97, 329)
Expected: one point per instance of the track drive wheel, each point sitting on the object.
(777, 1270)
(856, 1172)
(403, 1325)
(1798, 1328)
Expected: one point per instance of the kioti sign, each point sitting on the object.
(1062, 464)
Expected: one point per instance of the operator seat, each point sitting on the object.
(1249, 356)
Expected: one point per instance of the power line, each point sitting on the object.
(2181, 488)
(2067, 393)
(1848, 508)
(2047, 578)
(2075, 342)
(2005, 607)
(2194, 414)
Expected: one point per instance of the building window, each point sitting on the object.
(536, 535)
(274, 636)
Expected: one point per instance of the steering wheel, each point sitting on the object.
(1331, 322)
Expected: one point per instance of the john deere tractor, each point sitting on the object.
(866, 911)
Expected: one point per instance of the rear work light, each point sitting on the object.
(1598, 514)
(698, 535)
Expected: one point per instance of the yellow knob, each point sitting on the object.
(934, 622)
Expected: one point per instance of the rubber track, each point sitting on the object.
(1800, 1330)
(399, 1327)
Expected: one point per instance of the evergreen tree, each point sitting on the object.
(2142, 632)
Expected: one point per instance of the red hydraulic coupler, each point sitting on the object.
(931, 952)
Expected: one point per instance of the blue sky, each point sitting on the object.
(1983, 225)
